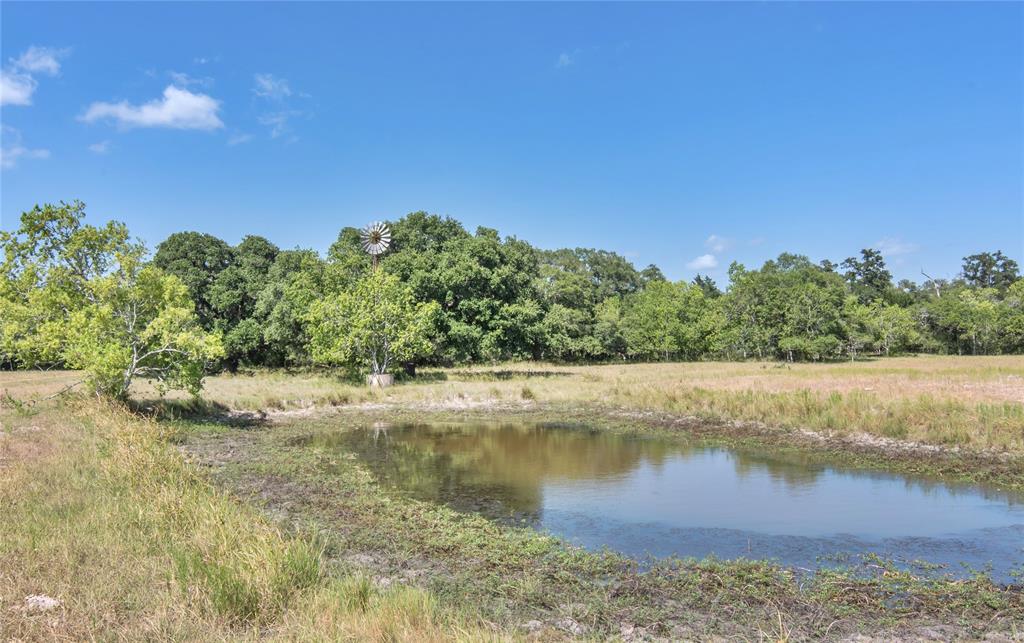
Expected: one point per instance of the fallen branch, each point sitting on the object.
(9, 400)
(60, 392)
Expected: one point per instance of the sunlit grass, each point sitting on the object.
(970, 402)
(102, 514)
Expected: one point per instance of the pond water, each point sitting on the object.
(643, 496)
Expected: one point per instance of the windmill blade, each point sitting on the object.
(375, 238)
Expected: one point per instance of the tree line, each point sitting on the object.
(499, 298)
(470, 297)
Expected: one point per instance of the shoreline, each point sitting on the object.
(952, 463)
(455, 554)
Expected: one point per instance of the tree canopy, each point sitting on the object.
(489, 298)
(375, 324)
(82, 297)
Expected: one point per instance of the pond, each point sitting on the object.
(655, 497)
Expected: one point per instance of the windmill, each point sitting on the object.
(375, 239)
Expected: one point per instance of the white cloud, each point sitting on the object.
(177, 109)
(100, 148)
(11, 150)
(275, 93)
(756, 241)
(15, 88)
(277, 122)
(9, 155)
(238, 139)
(893, 247)
(269, 86)
(184, 80)
(565, 59)
(717, 244)
(40, 60)
(16, 81)
(703, 262)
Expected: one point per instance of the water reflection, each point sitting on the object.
(659, 497)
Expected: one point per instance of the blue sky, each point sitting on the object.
(687, 135)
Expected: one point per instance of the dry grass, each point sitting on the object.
(971, 402)
(967, 379)
(25, 385)
(101, 514)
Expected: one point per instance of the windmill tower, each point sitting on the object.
(375, 239)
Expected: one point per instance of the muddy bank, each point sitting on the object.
(857, 450)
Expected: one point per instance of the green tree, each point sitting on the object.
(347, 260)
(567, 334)
(1011, 322)
(651, 273)
(233, 297)
(485, 287)
(666, 320)
(611, 273)
(966, 318)
(868, 277)
(295, 280)
(893, 327)
(420, 231)
(196, 259)
(708, 286)
(812, 326)
(47, 266)
(565, 280)
(990, 270)
(141, 323)
(858, 334)
(374, 325)
(789, 308)
(80, 296)
(651, 324)
(516, 332)
(752, 310)
(608, 328)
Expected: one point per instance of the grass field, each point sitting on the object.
(972, 402)
(102, 512)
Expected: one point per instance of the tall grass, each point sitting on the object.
(971, 402)
(102, 514)
(974, 403)
(924, 418)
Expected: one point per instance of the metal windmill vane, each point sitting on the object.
(375, 239)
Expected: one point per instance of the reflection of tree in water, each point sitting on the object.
(495, 470)
(500, 471)
(794, 471)
(801, 470)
